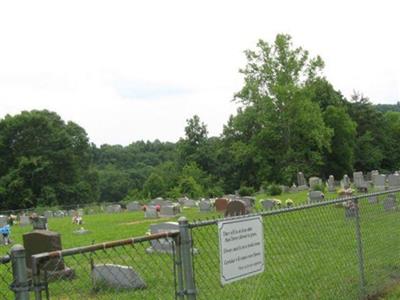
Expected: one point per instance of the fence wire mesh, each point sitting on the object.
(5, 278)
(126, 270)
(333, 250)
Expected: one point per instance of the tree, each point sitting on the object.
(286, 131)
(43, 161)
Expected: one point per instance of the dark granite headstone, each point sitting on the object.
(236, 208)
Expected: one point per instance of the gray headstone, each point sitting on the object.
(59, 214)
(205, 206)
(190, 203)
(301, 181)
(115, 208)
(331, 184)
(48, 214)
(39, 223)
(314, 181)
(394, 180)
(373, 199)
(24, 220)
(293, 189)
(169, 210)
(390, 202)
(249, 201)
(378, 181)
(134, 206)
(315, 196)
(358, 179)
(151, 212)
(345, 182)
(116, 277)
(163, 244)
(268, 204)
(3, 220)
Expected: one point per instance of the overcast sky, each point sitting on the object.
(132, 70)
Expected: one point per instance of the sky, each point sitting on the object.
(137, 70)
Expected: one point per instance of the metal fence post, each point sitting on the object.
(360, 251)
(186, 256)
(20, 284)
(179, 270)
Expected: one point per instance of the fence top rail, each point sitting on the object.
(101, 246)
(294, 208)
(5, 259)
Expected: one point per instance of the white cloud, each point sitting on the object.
(68, 56)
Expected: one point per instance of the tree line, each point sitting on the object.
(290, 119)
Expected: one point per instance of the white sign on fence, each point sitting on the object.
(241, 248)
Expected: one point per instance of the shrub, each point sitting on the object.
(246, 191)
(274, 190)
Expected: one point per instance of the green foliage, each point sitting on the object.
(319, 187)
(246, 191)
(190, 188)
(274, 190)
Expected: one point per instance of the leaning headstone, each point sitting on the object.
(315, 196)
(205, 206)
(394, 181)
(301, 182)
(164, 245)
(133, 206)
(39, 223)
(116, 277)
(268, 204)
(331, 184)
(40, 241)
(221, 204)
(24, 220)
(151, 212)
(235, 208)
(169, 210)
(314, 182)
(390, 202)
(378, 181)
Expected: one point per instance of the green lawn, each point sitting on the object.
(309, 254)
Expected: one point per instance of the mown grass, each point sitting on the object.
(309, 254)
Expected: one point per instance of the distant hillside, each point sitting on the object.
(388, 107)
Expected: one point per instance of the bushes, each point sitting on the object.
(274, 190)
(246, 191)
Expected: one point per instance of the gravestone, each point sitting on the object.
(164, 245)
(221, 204)
(189, 203)
(151, 212)
(359, 181)
(157, 201)
(39, 223)
(40, 241)
(48, 214)
(315, 196)
(24, 220)
(235, 208)
(169, 210)
(314, 181)
(284, 188)
(394, 181)
(3, 220)
(205, 206)
(80, 212)
(331, 184)
(59, 214)
(345, 182)
(116, 277)
(115, 208)
(249, 201)
(378, 181)
(373, 199)
(293, 189)
(268, 204)
(133, 206)
(390, 203)
(301, 182)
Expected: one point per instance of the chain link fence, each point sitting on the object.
(342, 249)
(5, 278)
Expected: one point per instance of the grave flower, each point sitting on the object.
(289, 202)
(277, 202)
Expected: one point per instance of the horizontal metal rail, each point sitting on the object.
(265, 213)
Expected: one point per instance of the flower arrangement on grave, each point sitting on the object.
(277, 202)
(289, 202)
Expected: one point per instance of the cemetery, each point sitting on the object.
(46, 232)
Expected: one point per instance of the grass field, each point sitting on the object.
(309, 254)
